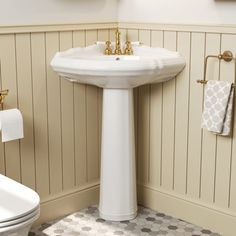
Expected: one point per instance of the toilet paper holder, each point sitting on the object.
(3, 94)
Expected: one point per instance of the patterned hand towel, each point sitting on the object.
(218, 105)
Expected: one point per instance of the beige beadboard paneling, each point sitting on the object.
(9, 81)
(208, 162)
(224, 145)
(156, 97)
(80, 120)
(92, 104)
(55, 178)
(25, 103)
(168, 121)
(182, 116)
(185, 161)
(143, 151)
(60, 152)
(195, 110)
(67, 125)
(41, 141)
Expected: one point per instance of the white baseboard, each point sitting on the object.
(67, 202)
(189, 210)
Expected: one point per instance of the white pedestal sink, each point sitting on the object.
(118, 75)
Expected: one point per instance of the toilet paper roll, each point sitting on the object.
(11, 125)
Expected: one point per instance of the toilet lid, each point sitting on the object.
(16, 200)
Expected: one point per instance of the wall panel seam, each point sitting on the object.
(60, 102)
(189, 101)
(17, 102)
(46, 85)
(202, 137)
(174, 153)
(33, 122)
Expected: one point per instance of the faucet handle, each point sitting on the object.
(128, 48)
(108, 49)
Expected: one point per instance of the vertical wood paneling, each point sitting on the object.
(195, 110)
(103, 35)
(78, 38)
(80, 134)
(24, 81)
(182, 115)
(143, 121)
(40, 112)
(92, 121)
(123, 35)
(112, 36)
(91, 37)
(67, 118)
(133, 36)
(92, 132)
(224, 144)
(9, 81)
(168, 117)
(54, 115)
(80, 120)
(156, 120)
(209, 140)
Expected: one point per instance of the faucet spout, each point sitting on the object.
(117, 47)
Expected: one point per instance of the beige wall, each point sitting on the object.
(28, 12)
(182, 170)
(60, 153)
(178, 11)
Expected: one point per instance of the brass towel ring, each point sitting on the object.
(227, 56)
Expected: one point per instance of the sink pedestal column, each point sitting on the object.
(118, 200)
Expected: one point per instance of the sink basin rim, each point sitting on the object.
(90, 65)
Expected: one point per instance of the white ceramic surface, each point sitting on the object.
(16, 199)
(21, 229)
(20, 219)
(118, 199)
(118, 75)
(88, 65)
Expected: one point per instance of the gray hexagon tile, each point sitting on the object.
(148, 222)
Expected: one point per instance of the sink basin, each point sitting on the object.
(89, 66)
(118, 75)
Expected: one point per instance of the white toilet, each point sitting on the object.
(19, 208)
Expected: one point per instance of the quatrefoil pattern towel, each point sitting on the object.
(218, 105)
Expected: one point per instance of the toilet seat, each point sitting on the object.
(14, 228)
(19, 220)
(16, 201)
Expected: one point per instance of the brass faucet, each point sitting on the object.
(127, 51)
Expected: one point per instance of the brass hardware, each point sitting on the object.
(117, 47)
(118, 51)
(3, 94)
(227, 56)
(128, 48)
(108, 49)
